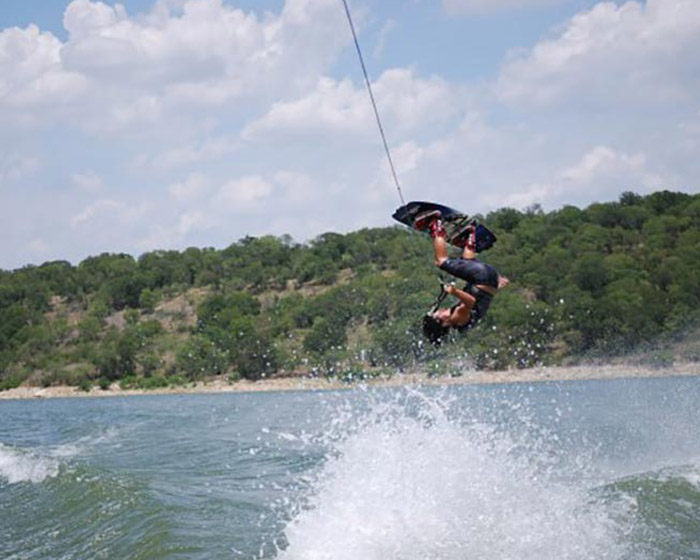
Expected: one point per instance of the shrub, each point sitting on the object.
(200, 357)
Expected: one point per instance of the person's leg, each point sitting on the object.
(469, 249)
(440, 249)
(437, 232)
(468, 253)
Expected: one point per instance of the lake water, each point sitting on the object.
(577, 470)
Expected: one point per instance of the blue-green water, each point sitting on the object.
(557, 471)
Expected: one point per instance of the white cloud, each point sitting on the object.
(35, 85)
(39, 247)
(411, 102)
(406, 103)
(88, 181)
(111, 213)
(622, 56)
(240, 193)
(297, 188)
(116, 71)
(14, 167)
(690, 129)
(209, 123)
(95, 208)
(164, 237)
(386, 30)
(600, 161)
(600, 175)
(30, 70)
(246, 206)
(480, 7)
(194, 186)
(191, 220)
(82, 18)
(198, 152)
(406, 157)
(336, 106)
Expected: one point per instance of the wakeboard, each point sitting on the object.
(454, 221)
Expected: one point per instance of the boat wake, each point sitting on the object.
(409, 481)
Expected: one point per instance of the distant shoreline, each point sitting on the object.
(530, 375)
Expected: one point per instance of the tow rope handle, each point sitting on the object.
(441, 296)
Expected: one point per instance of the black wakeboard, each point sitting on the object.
(454, 221)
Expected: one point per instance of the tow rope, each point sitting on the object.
(374, 104)
(441, 296)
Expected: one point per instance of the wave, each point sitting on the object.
(409, 482)
(25, 465)
(665, 510)
(21, 464)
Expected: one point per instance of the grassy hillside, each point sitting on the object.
(601, 281)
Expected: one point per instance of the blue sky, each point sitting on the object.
(163, 124)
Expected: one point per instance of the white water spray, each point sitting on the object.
(420, 486)
(17, 465)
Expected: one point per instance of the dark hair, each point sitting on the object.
(434, 330)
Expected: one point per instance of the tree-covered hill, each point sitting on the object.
(597, 281)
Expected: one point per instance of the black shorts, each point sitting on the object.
(472, 271)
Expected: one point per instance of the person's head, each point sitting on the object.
(434, 329)
(443, 316)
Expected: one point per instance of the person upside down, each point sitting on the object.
(482, 282)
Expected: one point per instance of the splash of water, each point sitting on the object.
(407, 481)
(18, 465)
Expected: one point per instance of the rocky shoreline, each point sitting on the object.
(571, 373)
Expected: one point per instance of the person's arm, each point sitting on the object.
(465, 298)
(462, 314)
(502, 282)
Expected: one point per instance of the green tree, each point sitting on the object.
(219, 310)
(254, 352)
(148, 299)
(325, 334)
(200, 357)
